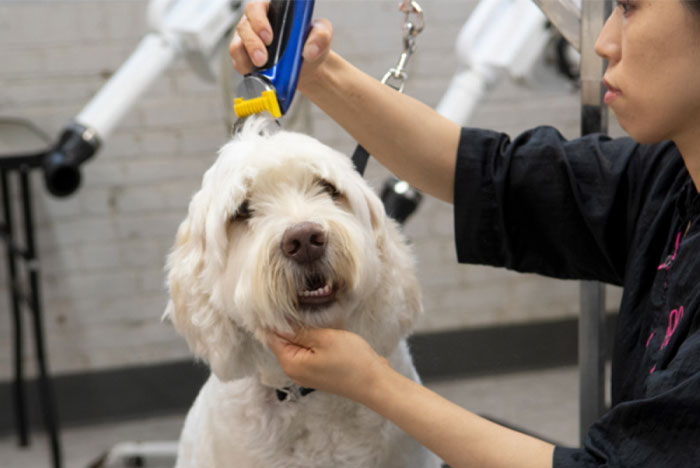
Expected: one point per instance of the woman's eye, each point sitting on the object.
(243, 212)
(626, 6)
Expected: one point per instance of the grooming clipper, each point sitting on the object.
(271, 87)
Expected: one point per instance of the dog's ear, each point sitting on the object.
(366, 204)
(400, 277)
(195, 308)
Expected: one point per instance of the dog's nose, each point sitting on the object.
(304, 242)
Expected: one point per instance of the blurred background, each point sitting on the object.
(102, 250)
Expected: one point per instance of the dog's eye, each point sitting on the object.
(243, 212)
(330, 189)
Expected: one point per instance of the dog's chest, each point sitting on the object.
(317, 430)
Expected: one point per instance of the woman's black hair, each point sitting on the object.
(693, 5)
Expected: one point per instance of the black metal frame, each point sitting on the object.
(24, 292)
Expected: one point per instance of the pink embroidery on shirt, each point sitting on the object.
(673, 318)
(650, 337)
(652, 369)
(667, 264)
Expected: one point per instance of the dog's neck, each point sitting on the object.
(270, 375)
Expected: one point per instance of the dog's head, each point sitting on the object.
(284, 233)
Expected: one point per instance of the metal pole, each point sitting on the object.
(591, 335)
(19, 388)
(45, 387)
(565, 15)
(591, 355)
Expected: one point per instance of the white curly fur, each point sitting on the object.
(229, 282)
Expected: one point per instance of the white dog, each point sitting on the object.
(284, 233)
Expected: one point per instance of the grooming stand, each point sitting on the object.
(580, 22)
(22, 148)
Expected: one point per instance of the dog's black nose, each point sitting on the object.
(304, 242)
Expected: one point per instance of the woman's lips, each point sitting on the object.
(611, 94)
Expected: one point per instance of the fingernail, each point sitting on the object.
(311, 51)
(266, 36)
(259, 58)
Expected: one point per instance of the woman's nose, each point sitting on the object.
(608, 44)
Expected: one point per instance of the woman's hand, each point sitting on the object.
(341, 362)
(253, 33)
(335, 361)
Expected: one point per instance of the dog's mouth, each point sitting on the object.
(318, 291)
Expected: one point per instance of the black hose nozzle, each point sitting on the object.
(400, 199)
(62, 164)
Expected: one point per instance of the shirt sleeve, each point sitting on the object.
(542, 204)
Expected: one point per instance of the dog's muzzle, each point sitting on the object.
(305, 244)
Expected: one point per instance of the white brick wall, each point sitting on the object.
(102, 250)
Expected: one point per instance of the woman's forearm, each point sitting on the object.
(403, 134)
(458, 436)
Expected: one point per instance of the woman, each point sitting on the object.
(624, 211)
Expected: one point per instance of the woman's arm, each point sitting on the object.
(341, 362)
(458, 436)
(403, 134)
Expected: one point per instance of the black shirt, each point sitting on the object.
(614, 211)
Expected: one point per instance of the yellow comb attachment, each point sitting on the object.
(267, 101)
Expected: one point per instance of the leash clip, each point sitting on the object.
(411, 9)
(413, 24)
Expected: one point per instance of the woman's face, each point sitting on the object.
(653, 74)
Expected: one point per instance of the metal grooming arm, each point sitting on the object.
(501, 38)
(190, 28)
(565, 15)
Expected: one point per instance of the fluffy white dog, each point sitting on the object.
(284, 233)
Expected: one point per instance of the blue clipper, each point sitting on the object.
(271, 87)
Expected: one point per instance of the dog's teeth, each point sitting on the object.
(324, 291)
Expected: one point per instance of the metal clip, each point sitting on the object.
(411, 9)
(395, 77)
(413, 24)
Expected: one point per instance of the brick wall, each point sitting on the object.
(102, 250)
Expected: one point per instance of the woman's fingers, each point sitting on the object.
(252, 45)
(319, 41)
(293, 353)
(289, 346)
(254, 33)
(241, 60)
(256, 13)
